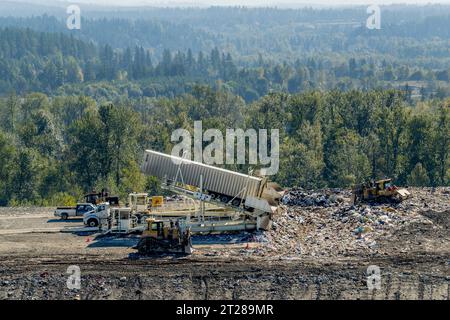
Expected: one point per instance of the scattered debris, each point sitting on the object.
(322, 198)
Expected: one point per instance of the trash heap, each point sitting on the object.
(325, 224)
(322, 198)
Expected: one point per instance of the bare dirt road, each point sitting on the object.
(318, 251)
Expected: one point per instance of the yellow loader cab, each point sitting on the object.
(379, 191)
(165, 237)
(159, 230)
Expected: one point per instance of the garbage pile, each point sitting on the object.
(326, 224)
(306, 198)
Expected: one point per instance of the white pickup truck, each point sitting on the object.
(78, 211)
(97, 217)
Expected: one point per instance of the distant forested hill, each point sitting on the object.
(408, 32)
(60, 63)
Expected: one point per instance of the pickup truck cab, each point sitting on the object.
(97, 217)
(78, 211)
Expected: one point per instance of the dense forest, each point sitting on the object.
(77, 108)
(48, 62)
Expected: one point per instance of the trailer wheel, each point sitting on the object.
(64, 216)
(92, 223)
(224, 199)
(236, 202)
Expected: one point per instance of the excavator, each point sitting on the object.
(96, 198)
(162, 236)
(379, 191)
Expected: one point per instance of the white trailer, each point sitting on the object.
(209, 183)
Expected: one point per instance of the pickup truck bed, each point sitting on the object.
(78, 211)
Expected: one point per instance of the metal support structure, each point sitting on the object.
(242, 219)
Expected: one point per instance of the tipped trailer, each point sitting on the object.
(209, 183)
(251, 197)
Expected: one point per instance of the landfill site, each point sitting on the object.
(308, 244)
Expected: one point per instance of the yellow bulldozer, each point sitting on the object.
(162, 236)
(379, 191)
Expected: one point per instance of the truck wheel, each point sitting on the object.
(64, 216)
(92, 223)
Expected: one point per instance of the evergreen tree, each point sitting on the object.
(418, 176)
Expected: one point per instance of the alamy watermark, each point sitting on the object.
(374, 20)
(74, 19)
(235, 140)
(74, 280)
(373, 277)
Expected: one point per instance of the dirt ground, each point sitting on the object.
(312, 252)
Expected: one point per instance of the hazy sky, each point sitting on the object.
(234, 2)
